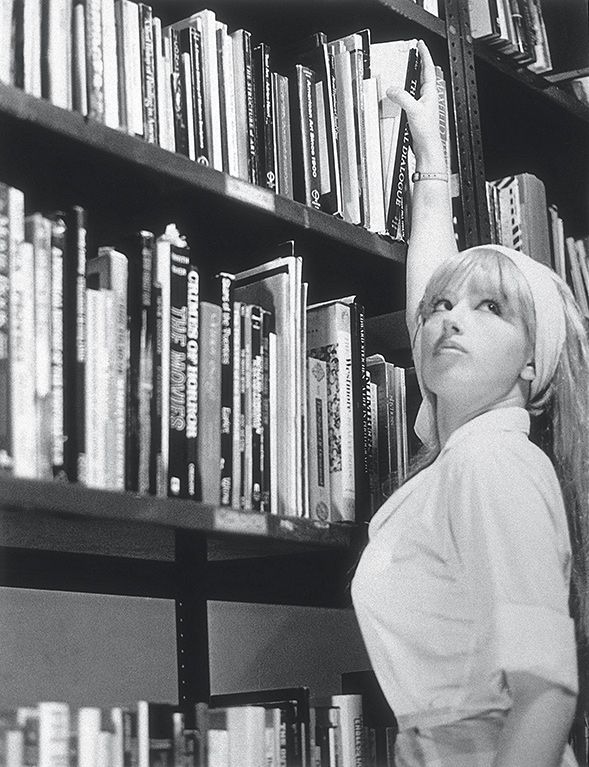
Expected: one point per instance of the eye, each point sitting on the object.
(441, 304)
(492, 305)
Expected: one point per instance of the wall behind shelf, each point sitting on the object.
(101, 650)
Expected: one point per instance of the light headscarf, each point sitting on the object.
(550, 332)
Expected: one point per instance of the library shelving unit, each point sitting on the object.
(67, 537)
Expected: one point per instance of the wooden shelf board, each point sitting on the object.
(174, 174)
(42, 500)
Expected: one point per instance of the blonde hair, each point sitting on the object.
(566, 401)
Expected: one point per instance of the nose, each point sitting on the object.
(452, 322)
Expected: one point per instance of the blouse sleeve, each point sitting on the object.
(510, 529)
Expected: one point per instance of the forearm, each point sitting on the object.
(536, 730)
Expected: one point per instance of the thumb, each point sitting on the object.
(400, 97)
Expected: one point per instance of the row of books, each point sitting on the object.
(514, 27)
(115, 372)
(521, 218)
(275, 728)
(310, 121)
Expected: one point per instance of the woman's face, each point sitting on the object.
(475, 348)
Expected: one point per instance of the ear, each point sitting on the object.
(528, 373)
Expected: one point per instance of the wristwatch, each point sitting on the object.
(418, 176)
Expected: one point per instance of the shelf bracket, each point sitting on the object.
(192, 635)
(468, 127)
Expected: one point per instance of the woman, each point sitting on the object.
(462, 593)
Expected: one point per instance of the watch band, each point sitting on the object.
(418, 176)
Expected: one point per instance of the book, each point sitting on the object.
(282, 134)
(30, 77)
(386, 438)
(79, 72)
(373, 198)
(329, 338)
(246, 726)
(303, 120)
(155, 734)
(111, 65)
(56, 38)
(245, 106)
(163, 82)
(227, 100)
(262, 75)
(54, 734)
(318, 440)
(94, 59)
(57, 352)
(147, 69)
(109, 271)
(209, 433)
(130, 72)
(276, 286)
(224, 298)
(394, 63)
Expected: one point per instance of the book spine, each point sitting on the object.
(188, 90)
(395, 217)
(139, 376)
(150, 120)
(58, 245)
(361, 400)
(227, 100)
(178, 97)
(209, 402)
(236, 407)
(178, 463)
(257, 428)
(305, 162)
(282, 135)
(94, 59)
(6, 453)
(266, 458)
(251, 98)
(265, 116)
(245, 430)
(192, 380)
(111, 65)
(318, 440)
(54, 734)
(224, 283)
(202, 150)
(132, 67)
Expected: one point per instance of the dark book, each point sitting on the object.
(193, 373)
(313, 52)
(224, 298)
(266, 447)
(262, 75)
(58, 249)
(178, 459)
(17, 64)
(395, 214)
(327, 734)
(146, 44)
(195, 734)
(245, 90)
(178, 93)
(74, 343)
(157, 481)
(256, 407)
(140, 251)
(303, 106)
(155, 734)
(190, 42)
(361, 405)
(245, 407)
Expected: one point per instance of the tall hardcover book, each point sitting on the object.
(262, 75)
(224, 298)
(58, 385)
(329, 338)
(305, 162)
(109, 271)
(276, 286)
(282, 135)
(155, 734)
(56, 23)
(193, 376)
(148, 84)
(171, 40)
(111, 65)
(227, 99)
(94, 59)
(245, 105)
(318, 440)
(394, 63)
(130, 78)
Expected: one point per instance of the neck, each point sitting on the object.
(451, 415)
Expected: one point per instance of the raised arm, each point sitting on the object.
(432, 236)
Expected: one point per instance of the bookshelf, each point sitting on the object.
(73, 538)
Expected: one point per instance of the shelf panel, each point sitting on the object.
(30, 122)
(553, 95)
(31, 501)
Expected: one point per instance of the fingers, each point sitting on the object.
(402, 98)
(428, 70)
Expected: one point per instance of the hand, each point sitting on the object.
(423, 116)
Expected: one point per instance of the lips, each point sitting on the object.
(447, 344)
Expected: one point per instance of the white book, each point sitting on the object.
(351, 728)
(79, 72)
(431, 6)
(318, 440)
(110, 268)
(57, 349)
(582, 258)
(246, 726)
(186, 67)
(375, 190)
(14, 748)
(273, 417)
(21, 338)
(240, 100)
(237, 414)
(228, 106)
(54, 734)
(210, 81)
(130, 53)
(272, 738)
(88, 729)
(347, 133)
(111, 65)
(32, 47)
(163, 79)
(99, 374)
(94, 59)
(6, 51)
(57, 53)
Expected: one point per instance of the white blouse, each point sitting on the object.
(466, 577)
